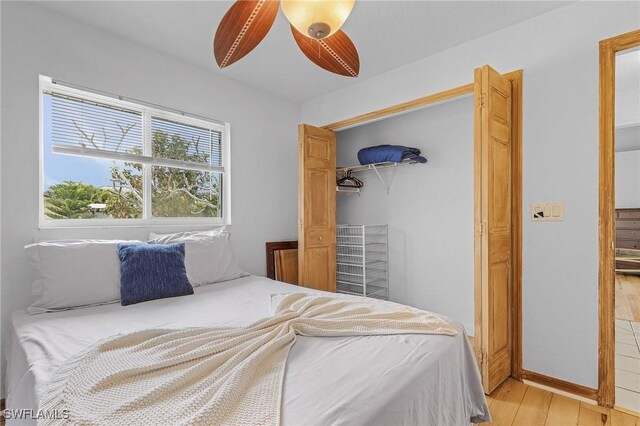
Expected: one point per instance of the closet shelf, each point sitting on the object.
(375, 167)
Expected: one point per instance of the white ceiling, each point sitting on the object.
(388, 34)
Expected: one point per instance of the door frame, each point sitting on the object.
(606, 212)
(516, 184)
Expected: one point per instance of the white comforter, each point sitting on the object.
(399, 379)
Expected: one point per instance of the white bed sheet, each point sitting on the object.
(374, 380)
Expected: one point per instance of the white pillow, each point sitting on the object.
(178, 236)
(74, 273)
(208, 256)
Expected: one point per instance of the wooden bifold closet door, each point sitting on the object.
(317, 208)
(493, 225)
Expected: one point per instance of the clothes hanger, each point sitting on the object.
(349, 181)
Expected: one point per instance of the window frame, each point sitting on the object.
(148, 111)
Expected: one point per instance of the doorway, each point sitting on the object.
(619, 216)
(627, 223)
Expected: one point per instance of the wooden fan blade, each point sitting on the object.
(336, 53)
(242, 28)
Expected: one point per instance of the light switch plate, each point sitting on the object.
(546, 212)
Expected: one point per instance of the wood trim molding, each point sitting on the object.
(623, 41)
(606, 208)
(405, 106)
(270, 248)
(516, 222)
(559, 384)
(606, 211)
(477, 217)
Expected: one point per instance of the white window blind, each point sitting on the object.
(98, 129)
(78, 123)
(203, 146)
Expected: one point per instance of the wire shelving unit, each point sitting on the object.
(362, 264)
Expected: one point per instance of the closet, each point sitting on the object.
(493, 204)
(428, 207)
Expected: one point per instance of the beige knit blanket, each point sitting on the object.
(214, 376)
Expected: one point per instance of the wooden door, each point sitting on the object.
(493, 225)
(316, 208)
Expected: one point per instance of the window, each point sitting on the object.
(107, 161)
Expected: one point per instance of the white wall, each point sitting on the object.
(628, 88)
(628, 179)
(429, 208)
(559, 54)
(263, 131)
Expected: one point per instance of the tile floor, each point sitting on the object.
(628, 364)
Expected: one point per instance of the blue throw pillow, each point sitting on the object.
(149, 272)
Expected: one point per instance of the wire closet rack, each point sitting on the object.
(343, 171)
(362, 260)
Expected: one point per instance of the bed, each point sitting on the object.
(385, 380)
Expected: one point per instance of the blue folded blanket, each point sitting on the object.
(392, 153)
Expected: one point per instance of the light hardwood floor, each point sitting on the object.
(628, 297)
(515, 403)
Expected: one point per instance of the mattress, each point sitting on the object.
(385, 380)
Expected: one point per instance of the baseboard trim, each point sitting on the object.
(627, 411)
(556, 391)
(561, 385)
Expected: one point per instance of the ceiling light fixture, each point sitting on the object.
(317, 18)
(315, 25)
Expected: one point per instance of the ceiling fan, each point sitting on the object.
(315, 25)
